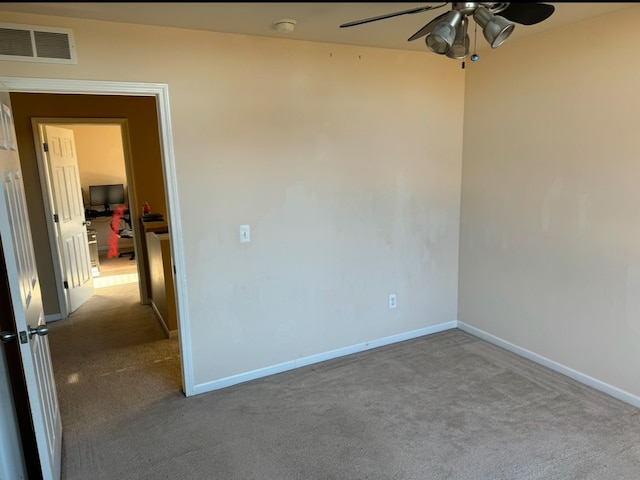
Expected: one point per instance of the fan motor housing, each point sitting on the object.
(467, 8)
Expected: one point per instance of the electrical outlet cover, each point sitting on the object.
(393, 301)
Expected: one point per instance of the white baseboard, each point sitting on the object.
(167, 332)
(52, 318)
(321, 357)
(569, 372)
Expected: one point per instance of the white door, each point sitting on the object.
(68, 209)
(26, 300)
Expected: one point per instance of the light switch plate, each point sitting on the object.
(245, 234)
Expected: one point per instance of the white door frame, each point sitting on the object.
(161, 93)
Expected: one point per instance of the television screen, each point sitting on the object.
(106, 195)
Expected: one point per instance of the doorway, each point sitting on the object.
(98, 164)
(136, 116)
(103, 99)
(146, 107)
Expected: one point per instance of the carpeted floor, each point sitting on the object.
(445, 406)
(115, 271)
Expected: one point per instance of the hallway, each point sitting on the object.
(111, 359)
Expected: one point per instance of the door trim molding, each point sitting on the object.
(161, 93)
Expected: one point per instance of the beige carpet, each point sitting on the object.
(115, 271)
(111, 359)
(446, 406)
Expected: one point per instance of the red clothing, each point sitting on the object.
(115, 231)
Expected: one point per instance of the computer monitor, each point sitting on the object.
(106, 195)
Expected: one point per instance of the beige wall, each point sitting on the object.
(100, 155)
(345, 161)
(550, 231)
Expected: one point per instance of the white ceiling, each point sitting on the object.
(315, 21)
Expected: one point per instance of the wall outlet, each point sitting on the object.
(393, 301)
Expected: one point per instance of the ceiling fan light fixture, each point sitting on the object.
(447, 33)
(444, 34)
(496, 29)
(460, 47)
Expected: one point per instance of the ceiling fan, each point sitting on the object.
(447, 34)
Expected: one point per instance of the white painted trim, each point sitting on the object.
(159, 317)
(321, 357)
(167, 332)
(161, 92)
(93, 87)
(177, 246)
(52, 318)
(539, 359)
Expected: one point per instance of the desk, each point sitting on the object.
(93, 214)
(101, 221)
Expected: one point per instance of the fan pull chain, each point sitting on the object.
(475, 57)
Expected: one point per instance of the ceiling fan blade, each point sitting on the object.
(527, 13)
(427, 28)
(382, 17)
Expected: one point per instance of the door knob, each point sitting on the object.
(39, 330)
(7, 336)
(86, 223)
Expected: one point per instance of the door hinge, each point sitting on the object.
(66, 284)
(55, 218)
(45, 146)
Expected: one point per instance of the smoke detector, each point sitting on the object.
(285, 25)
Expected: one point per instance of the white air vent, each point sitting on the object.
(30, 43)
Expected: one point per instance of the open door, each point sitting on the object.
(65, 193)
(26, 302)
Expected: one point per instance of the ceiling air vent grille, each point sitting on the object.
(29, 43)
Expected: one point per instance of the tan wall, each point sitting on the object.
(141, 116)
(161, 281)
(550, 231)
(345, 161)
(100, 155)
